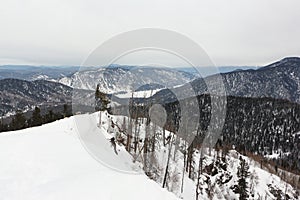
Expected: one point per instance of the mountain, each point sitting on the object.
(208, 71)
(280, 80)
(23, 95)
(125, 79)
(30, 73)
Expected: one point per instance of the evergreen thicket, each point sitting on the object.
(243, 173)
(23, 120)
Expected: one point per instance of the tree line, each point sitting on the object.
(262, 126)
(21, 119)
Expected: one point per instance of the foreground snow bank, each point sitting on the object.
(49, 162)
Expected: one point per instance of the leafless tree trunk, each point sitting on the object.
(189, 166)
(136, 136)
(285, 196)
(183, 171)
(164, 136)
(100, 121)
(146, 144)
(130, 126)
(168, 161)
(200, 168)
(176, 147)
(129, 135)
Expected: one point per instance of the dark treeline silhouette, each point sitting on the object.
(36, 117)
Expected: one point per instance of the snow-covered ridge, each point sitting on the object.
(219, 177)
(49, 162)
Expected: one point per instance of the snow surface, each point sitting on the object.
(138, 94)
(49, 162)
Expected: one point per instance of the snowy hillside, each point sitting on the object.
(219, 176)
(49, 162)
(121, 79)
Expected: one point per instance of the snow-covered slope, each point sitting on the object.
(219, 179)
(49, 162)
(121, 79)
(219, 176)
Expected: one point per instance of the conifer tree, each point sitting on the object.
(101, 103)
(101, 99)
(243, 173)
(1, 125)
(49, 117)
(67, 112)
(19, 121)
(36, 119)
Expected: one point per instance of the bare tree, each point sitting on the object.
(168, 162)
(200, 170)
(184, 163)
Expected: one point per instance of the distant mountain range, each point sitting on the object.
(30, 73)
(127, 79)
(208, 71)
(23, 95)
(280, 80)
(26, 91)
(54, 73)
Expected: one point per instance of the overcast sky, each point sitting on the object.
(232, 32)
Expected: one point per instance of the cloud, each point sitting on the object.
(63, 32)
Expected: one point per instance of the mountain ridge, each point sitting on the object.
(279, 80)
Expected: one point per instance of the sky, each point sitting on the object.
(65, 32)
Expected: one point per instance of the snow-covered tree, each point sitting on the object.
(243, 173)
